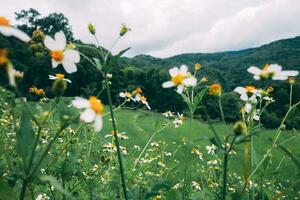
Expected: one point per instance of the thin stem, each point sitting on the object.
(291, 94)
(147, 144)
(222, 112)
(116, 139)
(23, 189)
(275, 140)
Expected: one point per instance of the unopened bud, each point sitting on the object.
(197, 66)
(292, 80)
(92, 29)
(59, 87)
(240, 128)
(124, 30)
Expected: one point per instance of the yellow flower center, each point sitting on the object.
(128, 94)
(4, 21)
(143, 98)
(96, 105)
(250, 89)
(57, 55)
(138, 90)
(215, 89)
(178, 79)
(59, 76)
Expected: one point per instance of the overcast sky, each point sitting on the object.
(164, 28)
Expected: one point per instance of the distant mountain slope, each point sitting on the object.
(229, 67)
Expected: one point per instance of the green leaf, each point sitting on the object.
(198, 98)
(186, 100)
(98, 64)
(157, 187)
(238, 196)
(25, 137)
(291, 155)
(6, 192)
(123, 51)
(55, 183)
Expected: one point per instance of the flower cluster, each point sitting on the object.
(34, 90)
(135, 96)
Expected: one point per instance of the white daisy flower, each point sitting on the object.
(93, 110)
(168, 114)
(247, 93)
(142, 99)
(127, 96)
(8, 30)
(211, 149)
(59, 76)
(180, 78)
(60, 54)
(273, 71)
(178, 121)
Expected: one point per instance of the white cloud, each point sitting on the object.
(167, 27)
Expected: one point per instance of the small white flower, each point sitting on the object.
(211, 149)
(8, 30)
(60, 54)
(120, 135)
(93, 110)
(273, 71)
(127, 96)
(168, 114)
(196, 185)
(247, 93)
(178, 121)
(59, 76)
(180, 78)
(142, 99)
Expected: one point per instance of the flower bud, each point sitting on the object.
(240, 128)
(292, 80)
(124, 30)
(59, 87)
(197, 66)
(92, 29)
(215, 90)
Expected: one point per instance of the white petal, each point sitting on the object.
(122, 94)
(68, 80)
(54, 63)
(274, 68)
(173, 71)
(180, 89)
(88, 115)
(280, 76)
(50, 43)
(79, 102)
(190, 81)
(12, 31)
(290, 73)
(183, 69)
(256, 77)
(52, 77)
(98, 123)
(240, 90)
(248, 107)
(69, 66)
(254, 70)
(244, 97)
(168, 84)
(72, 55)
(60, 40)
(256, 117)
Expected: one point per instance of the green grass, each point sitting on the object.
(139, 126)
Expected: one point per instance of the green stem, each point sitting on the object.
(275, 140)
(147, 144)
(222, 112)
(291, 94)
(116, 139)
(23, 189)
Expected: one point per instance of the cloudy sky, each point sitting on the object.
(164, 28)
